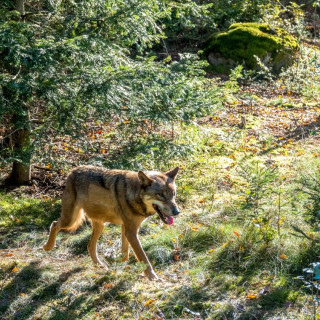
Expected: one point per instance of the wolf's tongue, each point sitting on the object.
(169, 220)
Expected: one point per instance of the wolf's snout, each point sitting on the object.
(175, 211)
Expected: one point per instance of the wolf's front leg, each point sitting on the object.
(132, 236)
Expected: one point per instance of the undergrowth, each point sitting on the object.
(233, 251)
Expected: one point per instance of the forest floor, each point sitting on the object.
(217, 261)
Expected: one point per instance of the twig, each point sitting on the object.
(297, 229)
(46, 169)
(15, 77)
(8, 135)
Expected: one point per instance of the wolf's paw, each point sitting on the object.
(100, 265)
(47, 247)
(151, 275)
(125, 258)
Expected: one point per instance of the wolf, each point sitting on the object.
(119, 197)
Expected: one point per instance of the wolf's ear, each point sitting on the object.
(173, 173)
(144, 179)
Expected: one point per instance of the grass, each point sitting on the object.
(211, 264)
(232, 254)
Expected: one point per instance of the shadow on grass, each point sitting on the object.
(306, 255)
(101, 294)
(78, 246)
(268, 304)
(246, 269)
(192, 301)
(26, 283)
(197, 303)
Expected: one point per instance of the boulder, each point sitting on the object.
(275, 47)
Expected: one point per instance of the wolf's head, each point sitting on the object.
(158, 191)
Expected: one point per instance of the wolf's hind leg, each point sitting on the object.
(54, 229)
(97, 228)
(124, 245)
(71, 218)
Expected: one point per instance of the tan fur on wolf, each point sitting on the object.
(119, 197)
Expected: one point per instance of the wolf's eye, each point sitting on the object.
(161, 195)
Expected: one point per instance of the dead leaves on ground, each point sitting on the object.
(271, 122)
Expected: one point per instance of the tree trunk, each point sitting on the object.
(21, 171)
(19, 6)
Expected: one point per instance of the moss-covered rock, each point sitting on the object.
(275, 47)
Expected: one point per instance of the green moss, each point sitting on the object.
(243, 41)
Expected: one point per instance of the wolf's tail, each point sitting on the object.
(72, 215)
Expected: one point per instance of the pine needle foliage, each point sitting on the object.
(65, 62)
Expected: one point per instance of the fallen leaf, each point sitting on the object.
(236, 233)
(9, 254)
(300, 152)
(15, 269)
(225, 244)
(149, 302)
